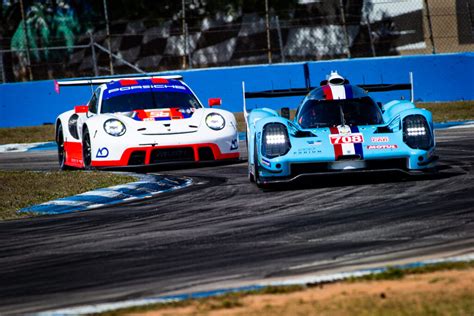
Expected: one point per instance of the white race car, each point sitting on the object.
(143, 121)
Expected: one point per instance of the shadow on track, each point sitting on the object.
(173, 166)
(352, 179)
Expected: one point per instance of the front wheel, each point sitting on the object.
(61, 152)
(86, 149)
(257, 179)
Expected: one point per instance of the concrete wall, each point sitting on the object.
(447, 77)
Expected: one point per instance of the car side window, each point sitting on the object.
(93, 104)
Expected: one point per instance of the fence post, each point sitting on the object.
(280, 39)
(470, 18)
(371, 39)
(107, 28)
(185, 39)
(344, 25)
(430, 27)
(267, 26)
(190, 62)
(27, 41)
(94, 57)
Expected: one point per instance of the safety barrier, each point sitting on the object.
(444, 77)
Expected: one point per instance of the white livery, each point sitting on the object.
(143, 121)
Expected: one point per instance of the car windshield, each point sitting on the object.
(149, 100)
(327, 113)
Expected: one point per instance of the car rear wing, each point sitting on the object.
(303, 91)
(102, 80)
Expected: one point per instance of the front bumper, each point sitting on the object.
(152, 155)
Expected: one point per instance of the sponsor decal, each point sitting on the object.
(234, 145)
(266, 162)
(314, 142)
(382, 146)
(380, 139)
(148, 87)
(306, 151)
(102, 153)
(165, 114)
(346, 139)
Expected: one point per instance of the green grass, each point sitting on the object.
(394, 273)
(452, 111)
(21, 189)
(33, 134)
(442, 112)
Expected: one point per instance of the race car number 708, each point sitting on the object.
(346, 139)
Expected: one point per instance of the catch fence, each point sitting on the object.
(312, 30)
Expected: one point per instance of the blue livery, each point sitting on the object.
(338, 128)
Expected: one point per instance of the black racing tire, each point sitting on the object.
(258, 180)
(86, 149)
(61, 152)
(250, 175)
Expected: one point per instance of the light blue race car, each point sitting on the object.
(338, 128)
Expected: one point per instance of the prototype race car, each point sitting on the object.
(143, 121)
(337, 128)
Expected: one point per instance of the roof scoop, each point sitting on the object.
(335, 79)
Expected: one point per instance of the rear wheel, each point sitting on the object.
(61, 152)
(86, 149)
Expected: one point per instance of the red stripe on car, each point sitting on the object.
(337, 147)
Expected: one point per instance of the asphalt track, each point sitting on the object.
(225, 232)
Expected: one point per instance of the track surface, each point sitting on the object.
(224, 231)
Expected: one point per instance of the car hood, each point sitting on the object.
(163, 121)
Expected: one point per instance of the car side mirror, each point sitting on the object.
(81, 109)
(214, 102)
(285, 113)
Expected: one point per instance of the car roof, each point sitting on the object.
(337, 92)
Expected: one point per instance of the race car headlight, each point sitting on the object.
(215, 121)
(416, 132)
(114, 127)
(275, 141)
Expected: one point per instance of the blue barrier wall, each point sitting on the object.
(447, 77)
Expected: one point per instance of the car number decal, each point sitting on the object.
(347, 141)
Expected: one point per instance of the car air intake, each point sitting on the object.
(275, 141)
(137, 158)
(205, 154)
(172, 154)
(416, 132)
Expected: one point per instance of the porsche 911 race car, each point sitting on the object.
(337, 128)
(143, 121)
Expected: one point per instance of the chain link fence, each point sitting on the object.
(312, 30)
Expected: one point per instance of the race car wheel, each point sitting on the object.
(256, 176)
(61, 152)
(86, 149)
(249, 166)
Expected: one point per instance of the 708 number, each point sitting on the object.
(346, 139)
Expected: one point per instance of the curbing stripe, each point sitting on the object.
(148, 186)
(104, 307)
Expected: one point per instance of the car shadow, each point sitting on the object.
(174, 166)
(356, 179)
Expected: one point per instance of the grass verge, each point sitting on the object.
(21, 189)
(438, 289)
(32, 134)
(442, 112)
